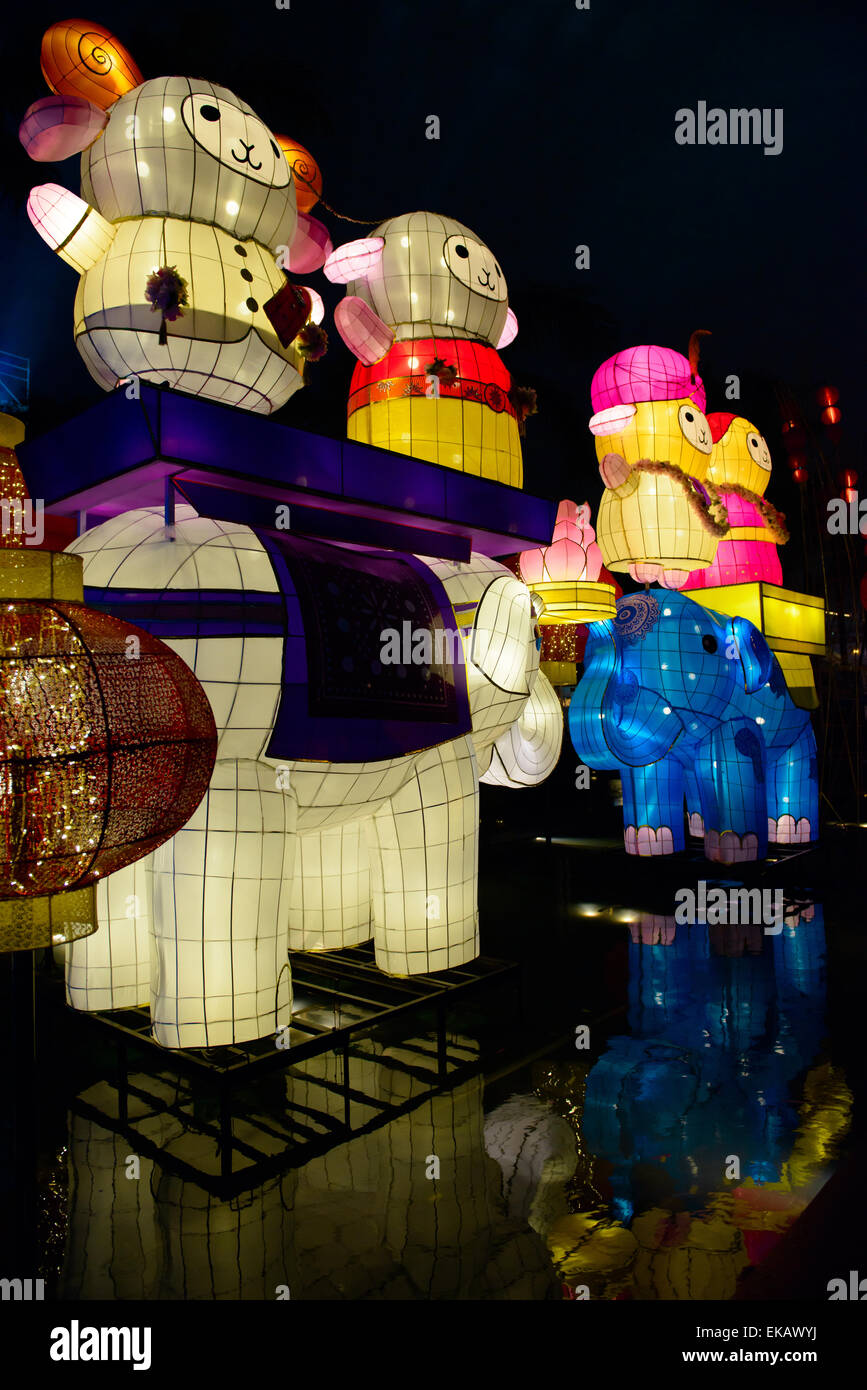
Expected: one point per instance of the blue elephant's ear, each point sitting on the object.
(755, 655)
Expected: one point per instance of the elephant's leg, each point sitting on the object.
(221, 892)
(653, 808)
(330, 904)
(112, 968)
(694, 810)
(424, 857)
(731, 766)
(793, 793)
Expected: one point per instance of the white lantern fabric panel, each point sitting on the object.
(223, 346)
(222, 888)
(529, 751)
(424, 865)
(112, 968)
(330, 906)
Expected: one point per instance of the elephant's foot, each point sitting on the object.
(696, 825)
(644, 841)
(788, 831)
(730, 848)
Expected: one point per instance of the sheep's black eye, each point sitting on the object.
(497, 268)
(275, 149)
(209, 112)
(688, 415)
(709, 642)
(461, 250)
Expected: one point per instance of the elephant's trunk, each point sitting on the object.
(528, 752)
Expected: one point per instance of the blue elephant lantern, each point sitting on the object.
(686, 702)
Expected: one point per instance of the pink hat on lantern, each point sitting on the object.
(648, 374)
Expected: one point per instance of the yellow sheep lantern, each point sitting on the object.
(659, 517)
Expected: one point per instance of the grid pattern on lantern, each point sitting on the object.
(412, 283)
(78, 234)
(133, 566)
(470, 425)
(112, 968)
(493, 610)
(221, 895)
(147, 162)
(223, 346)
(645, 373)
(655, 522)
(424, 865)
(528, 752)
(658, 432)
(330, 905)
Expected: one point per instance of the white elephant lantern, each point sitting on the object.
(331, 753)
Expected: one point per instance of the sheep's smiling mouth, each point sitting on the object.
(245, 158)
(487, 283)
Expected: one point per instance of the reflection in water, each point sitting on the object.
(692, 1152)
(362, 1221)
(660, 1171)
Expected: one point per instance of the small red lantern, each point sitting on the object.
(848, 478)
(827, 395)
(800, 475)
(798, 460)
(794, 436)
(831, 415)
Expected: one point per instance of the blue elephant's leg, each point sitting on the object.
(694, 807)
(330, 905)
(424, 853)
(653, 808)
(732, 773)
(793, 793)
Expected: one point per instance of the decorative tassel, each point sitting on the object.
(525, 402)
(166, 292)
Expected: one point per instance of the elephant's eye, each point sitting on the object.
(709, 642)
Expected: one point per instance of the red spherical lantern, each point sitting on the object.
(827, 395)
(797, 460)
(831, 415)
(107, 745)
(848, 478)
(800, 475)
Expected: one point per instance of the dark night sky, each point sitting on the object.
(557, 129)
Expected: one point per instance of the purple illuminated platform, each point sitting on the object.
(119, 454)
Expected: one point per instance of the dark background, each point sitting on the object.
(557, 128)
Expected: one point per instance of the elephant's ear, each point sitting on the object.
(639, 727)
(755, 655)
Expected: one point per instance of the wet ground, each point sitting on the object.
(654, 1124)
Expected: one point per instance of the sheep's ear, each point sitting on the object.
(82, 59)
(311, 246)
(353, 260)
(56, 127)
(510, 329)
